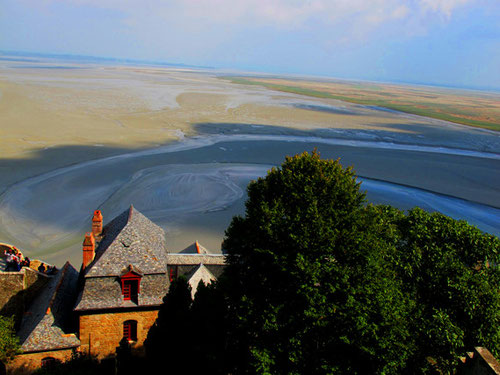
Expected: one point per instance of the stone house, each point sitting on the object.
(125, 274)
(47, 331)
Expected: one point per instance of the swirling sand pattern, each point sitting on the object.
(51, 211)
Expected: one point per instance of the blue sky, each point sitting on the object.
(444, 42)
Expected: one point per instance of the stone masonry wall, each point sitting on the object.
(104, 331)
(11, 284)
(29, 362)
(18, 289)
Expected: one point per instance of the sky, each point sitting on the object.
(441, 42)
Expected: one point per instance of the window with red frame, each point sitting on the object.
(131, 286)
(130, 289)
(130, 330)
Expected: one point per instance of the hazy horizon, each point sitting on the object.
(82, 59)
(449, 43)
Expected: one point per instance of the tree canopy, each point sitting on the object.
(318, 281)
(171, 334)
(9, 343)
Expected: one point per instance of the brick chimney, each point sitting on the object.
(88, 249)
(97, 223)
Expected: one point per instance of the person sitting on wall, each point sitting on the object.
(41, 268)
(9, 259)
(16, 263)
(26, 262)
(18, 253)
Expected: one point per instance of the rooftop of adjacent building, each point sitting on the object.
(46, 324)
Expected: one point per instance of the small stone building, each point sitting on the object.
(47, 331)
(125, 274)
(124, 278)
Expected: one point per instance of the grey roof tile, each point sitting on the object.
(195, 259)
(105, 293)
(130, 238)
(129, 242)
(195, 248)
(45, 325)
(199, 273)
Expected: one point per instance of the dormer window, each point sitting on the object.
(131, 282)
(130, 289)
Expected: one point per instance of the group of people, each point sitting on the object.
(49, 270)
(15, 260)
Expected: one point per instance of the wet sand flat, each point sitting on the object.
(181, 145)
(468, 107)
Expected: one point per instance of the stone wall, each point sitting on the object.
(102, 332)
(29, 362)
(18, 289)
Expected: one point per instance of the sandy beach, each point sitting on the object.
(181, 145)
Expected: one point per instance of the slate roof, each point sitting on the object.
(129, 242)
(195, 248)
(200, 273)
(130, 238)
(195, 259)
(46, 323)
(105, 293)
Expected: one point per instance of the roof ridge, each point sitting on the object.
(130, 211)
(63, 271)
(131, 237)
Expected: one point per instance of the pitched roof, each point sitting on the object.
(130, 238)
(200, 273)
(46, 322)
(106, 293)
(195, 248)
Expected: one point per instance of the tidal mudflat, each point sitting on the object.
(181, 146)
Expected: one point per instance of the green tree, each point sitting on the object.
(319, 282)
(208, 313)
(171, 336)
(450, 269)
(309, 283)
(9, 342)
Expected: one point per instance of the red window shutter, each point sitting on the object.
(131, 286)
(130, 330)
(127, 290)
(127, 330)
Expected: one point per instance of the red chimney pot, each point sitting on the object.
(97, 223)
(88, 249)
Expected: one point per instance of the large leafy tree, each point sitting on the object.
(319, 282)
(209, 325)
(309, 284)
(172, 335)
(451, 270)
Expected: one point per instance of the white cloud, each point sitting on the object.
(443, 7)
(216, 21)
(276, 12)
